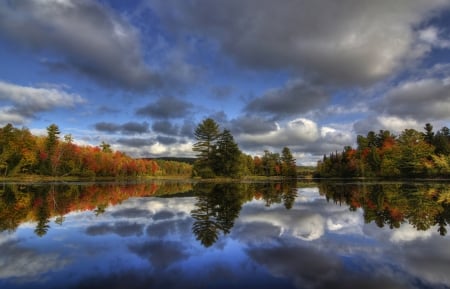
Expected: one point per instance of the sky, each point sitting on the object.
(307, 74)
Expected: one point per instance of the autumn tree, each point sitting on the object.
(413, 152)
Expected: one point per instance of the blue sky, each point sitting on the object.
(310, 75)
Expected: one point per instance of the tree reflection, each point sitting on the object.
(218, 205)
(395, 204)
(40, 203)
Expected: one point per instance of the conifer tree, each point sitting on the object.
(288, 166)
(227, 156)
(206, 135)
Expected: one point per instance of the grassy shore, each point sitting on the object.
(39, 178)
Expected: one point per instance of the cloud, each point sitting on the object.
(295, 131)
(165, 127)
(129, 128)
(407, 233)
(166, 140)
(300, 135)
(351, 43)
(424, 99)
(26, 101)
(160, 254)
(221, 92)
(294, 98)
(136, 142)
(27, 264)
(165, 108)
(123, 229)
(252, 124)
(188, 128)
(88, 37)
(141, 147)
(431, 35)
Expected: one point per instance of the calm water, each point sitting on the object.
(255, 235)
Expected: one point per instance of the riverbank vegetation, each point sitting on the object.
(411, 154)
(23, 155)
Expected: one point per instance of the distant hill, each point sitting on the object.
(174, 159)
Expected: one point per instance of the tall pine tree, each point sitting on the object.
(206, 135)
(227, 156)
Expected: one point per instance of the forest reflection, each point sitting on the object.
(218, 205)
(422, 205)
(20, 203)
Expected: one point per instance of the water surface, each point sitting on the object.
(253, 235)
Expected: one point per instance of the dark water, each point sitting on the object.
(253, 235)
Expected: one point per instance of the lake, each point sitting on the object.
(225, 235)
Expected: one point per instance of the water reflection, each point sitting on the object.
(421, 205)
(253, 235)
(218, 205)
(20, 203)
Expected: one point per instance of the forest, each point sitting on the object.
(22, 153)
(218, 155)
(412, 154)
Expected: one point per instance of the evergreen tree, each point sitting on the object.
(288, 166)
(429, 134)
(51, 144)
(227, 155)
(206, 135)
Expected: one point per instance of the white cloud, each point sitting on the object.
(38, 99)
(407, 233)
(396, 124)
(293, 132)
(430, 35)
(26, 101)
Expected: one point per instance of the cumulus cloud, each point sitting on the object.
(166, 107)
(346, 43)
(431, 35)
(295, 131)
(26, 101)
(300, 135)
(88, 37)
(294, 98)
(155, 147)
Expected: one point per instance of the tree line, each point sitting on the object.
(22, 153)
(423, 206)
(218, 155)
(383, 154)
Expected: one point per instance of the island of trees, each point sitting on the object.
(412, 154)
